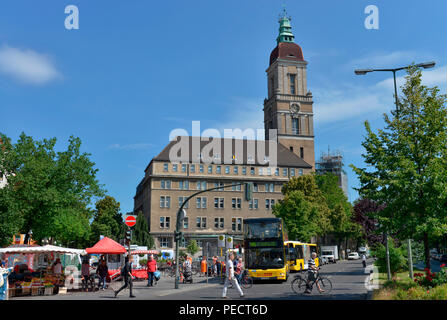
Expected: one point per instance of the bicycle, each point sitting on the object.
(245, 281)
(300, 284)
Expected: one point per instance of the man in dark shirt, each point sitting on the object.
(127, 276)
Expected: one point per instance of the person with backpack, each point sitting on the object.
(126, 273)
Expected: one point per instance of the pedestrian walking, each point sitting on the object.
(231, 278)
(102, 271)
(126, 273)
(85, 274)
(151, 268)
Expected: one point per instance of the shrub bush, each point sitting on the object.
(397, 258)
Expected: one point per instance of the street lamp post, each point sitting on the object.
(424, 65)
(181, 214)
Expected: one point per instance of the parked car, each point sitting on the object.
(353, 256)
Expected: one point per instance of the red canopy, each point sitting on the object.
(106, 246)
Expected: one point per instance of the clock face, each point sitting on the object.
(295, 108)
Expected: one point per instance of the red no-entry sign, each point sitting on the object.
(130, 221)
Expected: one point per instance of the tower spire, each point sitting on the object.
(285, 29)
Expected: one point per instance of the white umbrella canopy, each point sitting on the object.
(42, 249)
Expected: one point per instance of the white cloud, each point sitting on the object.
(27, 66)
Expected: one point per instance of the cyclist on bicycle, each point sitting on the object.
(312, 271)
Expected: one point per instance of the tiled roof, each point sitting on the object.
(285, 158)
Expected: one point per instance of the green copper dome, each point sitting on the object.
(285, 29)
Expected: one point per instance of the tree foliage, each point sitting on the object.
(407, 163)
(192, 247)
(48, 192)
(303, 209)
(141, 234)
(108, 220)
(365, 211)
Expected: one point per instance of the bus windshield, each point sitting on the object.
(263, 230)
(265, 258)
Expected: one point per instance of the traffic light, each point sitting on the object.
(128, 236)
(248, 191)
(178, 236)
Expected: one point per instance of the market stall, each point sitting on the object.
(32, 268)
(113, 253)
(138, 271)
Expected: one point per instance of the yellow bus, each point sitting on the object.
(265, 254)
(299, 253)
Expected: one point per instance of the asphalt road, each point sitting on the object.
(348, 283)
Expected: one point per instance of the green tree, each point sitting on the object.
(108, 220)
(48, 192)
(192, 247)
(340, 210)
(141, 234)
(303, 209)
(407, 163)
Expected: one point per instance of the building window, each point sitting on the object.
(164, 242)
(219, 169)
(236, 170)
(219, 223)
(165, 201)
(284, 172)
(181, 200)
(201, 222)
(269, 187)
(300, 172)
(292, 78)
(295, 126)
(184, 185)
(186, 223)
(218, 184)
(236, 186)
(166, 184)
(291, 149)
(165, 167)
(219, 203)
(183, 167)
(253, 204)
(277, 172)
(255, 187)
(201, 168)
(302, 152)
(227, 169)
(201, 185)
(201, 202)
(292, 172)
(252, 171)
(244, 170)
(210, 169)
(269, 171)
(193, 168)
(236, 203)
(236, 224)
(165, 222)
(174, 167)
(269, 203)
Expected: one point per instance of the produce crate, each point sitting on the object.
(48, 291)
(26, 291)
(35, 291)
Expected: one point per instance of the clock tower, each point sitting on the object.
(289, 106)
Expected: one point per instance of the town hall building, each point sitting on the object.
(288, 108)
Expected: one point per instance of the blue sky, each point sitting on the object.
(136, 70)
